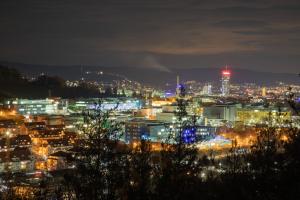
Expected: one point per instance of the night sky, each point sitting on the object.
(161, 34)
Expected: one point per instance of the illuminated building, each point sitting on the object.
(138, 129)
(159, 103)
(59, 160)
(56, 145)
(118, 104)
(15, 142)
(207, 89)
(263, 92)
(39, 106)
(19, 160)
(177, 86)
(205, 133)
(72, 122)
(168, 117)
(167, 114)
(252, 116)
(216, 115)
(8, 125)
(149, 113)
(198, 134)
(180, 89)
(225, 89)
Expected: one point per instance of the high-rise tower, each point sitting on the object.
(207, 89)
(180, 90)
(225, 89)
(263, 92)
(177, 86)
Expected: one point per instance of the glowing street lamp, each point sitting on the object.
(7, 133)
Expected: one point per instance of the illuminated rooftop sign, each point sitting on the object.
(226, 73)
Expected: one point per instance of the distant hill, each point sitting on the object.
(12, 85)
(153, 76)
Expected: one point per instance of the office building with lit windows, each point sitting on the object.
(225, 81)
(39, 106)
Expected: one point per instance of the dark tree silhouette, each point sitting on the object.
(180, 164)
(101, 161)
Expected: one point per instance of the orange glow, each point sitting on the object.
(284, 138)
(244, 139)
(40, 165)
(158, 103)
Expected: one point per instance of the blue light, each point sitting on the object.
(189, 135)
(180, 86)
(144, 137)
(169, 94)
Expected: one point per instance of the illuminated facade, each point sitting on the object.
(138, 129)
(39, 106)
(262, 116)
(207, 89)
(215, 115)
(225, 88)
(118, 104)
(18, 160)
(263, 92)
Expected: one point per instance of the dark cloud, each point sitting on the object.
(162, 34)
(241, 23)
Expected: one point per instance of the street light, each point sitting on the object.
(7, 133)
